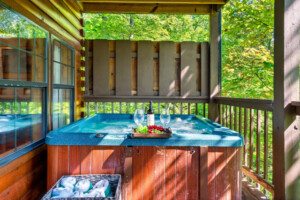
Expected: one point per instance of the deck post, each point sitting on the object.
(215, 64)
(286, 89)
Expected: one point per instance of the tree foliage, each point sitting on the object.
(247, 40)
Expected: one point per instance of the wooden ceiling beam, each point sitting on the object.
(146, 8)
(65, 10)
(50, 10)
(74, 7)
(157, 1)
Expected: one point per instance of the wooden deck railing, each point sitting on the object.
(129, 107)
(253, 119)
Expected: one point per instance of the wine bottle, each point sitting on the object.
(150, 115)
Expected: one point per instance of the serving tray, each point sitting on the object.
(167, 134)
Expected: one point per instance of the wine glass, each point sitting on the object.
(165, 117)
(138, 116)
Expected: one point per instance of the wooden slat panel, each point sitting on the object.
(74, 163)
(193, 175)
(87, 70)
(52, 160)
(235, 119)
(159, 172)
(101, 67)
(63, 161)
(204, 69)
(181, 175)
(258, 129)
(211, 189)
(148, 173)
(127, 183)
(123, 67)
(137, 167)
(85, 158)
(188, 85)
(170, 173)
(240, 120)
(231, 169)
(245, 136)
(203, 173)
(220, 173)
(166, 69)
(145, 68)
(108, 166)
(97, 159)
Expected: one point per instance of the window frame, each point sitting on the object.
(44, 86)
(60, 85)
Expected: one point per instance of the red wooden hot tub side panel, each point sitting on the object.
(155, 172)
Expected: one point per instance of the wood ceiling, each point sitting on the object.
(152, 6)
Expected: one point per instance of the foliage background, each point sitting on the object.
(247, 40)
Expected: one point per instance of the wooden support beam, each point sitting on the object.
(73, 6)
(215, 64)
(146, 8)
(29, 10)
(66, 11)
(51, 10)
(286, 160)
(157, 1)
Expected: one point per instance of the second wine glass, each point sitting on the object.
(138, 116)
(165, 117)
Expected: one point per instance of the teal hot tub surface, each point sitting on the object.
(188, 130)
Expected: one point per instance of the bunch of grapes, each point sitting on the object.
(156, 129)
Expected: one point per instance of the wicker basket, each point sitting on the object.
(114, 181)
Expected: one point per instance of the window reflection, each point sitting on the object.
(61, 107)
(21, 119)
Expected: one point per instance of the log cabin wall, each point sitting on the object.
(146, 70)
(25, 177)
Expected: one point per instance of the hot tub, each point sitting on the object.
(202, 160)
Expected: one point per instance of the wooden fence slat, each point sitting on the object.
(251, 138)
(128, 173)
(211, 159)
(170, 173)
(235, 118)
(145, 68)
(240, 120)
(101, 67)
(220, 172)
(231, 169)
(181, 175)
(166, 69)
(204, 69)
(258, 129)
(193, 175)
(148, 172)
(123, 68)
(231, 117)
(188, 76)
(137, 168)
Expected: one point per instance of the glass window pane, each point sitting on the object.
(26, 66)
(9, 64)
(65, 75)
(26, 34)
(56, 51)
(40, 41)
(9, 27)
(7, 125)
(61, 113)
(39, 72)
(56, 73)
(64, 54)
(69, 57)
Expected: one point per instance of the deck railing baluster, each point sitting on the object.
(251, 138)
(112, 107)
(197, 109)
(104, 109)
(235, 118)
(189, 107)
(245, 136)
(127, 110)
(258, 128)
(96, 107)
(88, 108)
(266, 151)
(231, 117)
(181, 108)
(240, 119)
(203, 110)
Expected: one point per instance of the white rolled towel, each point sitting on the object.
(61, 192)
(83, 185)
(68, 182)
(103, 188)
(92, 193)
(77, 194)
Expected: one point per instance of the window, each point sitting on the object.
(23, 85)
(63, 84)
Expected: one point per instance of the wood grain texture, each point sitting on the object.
(145, 68)
(188, 75)
(164, 172)
(101, 67)
(25, 177)
(204, 57)
(123, 67)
